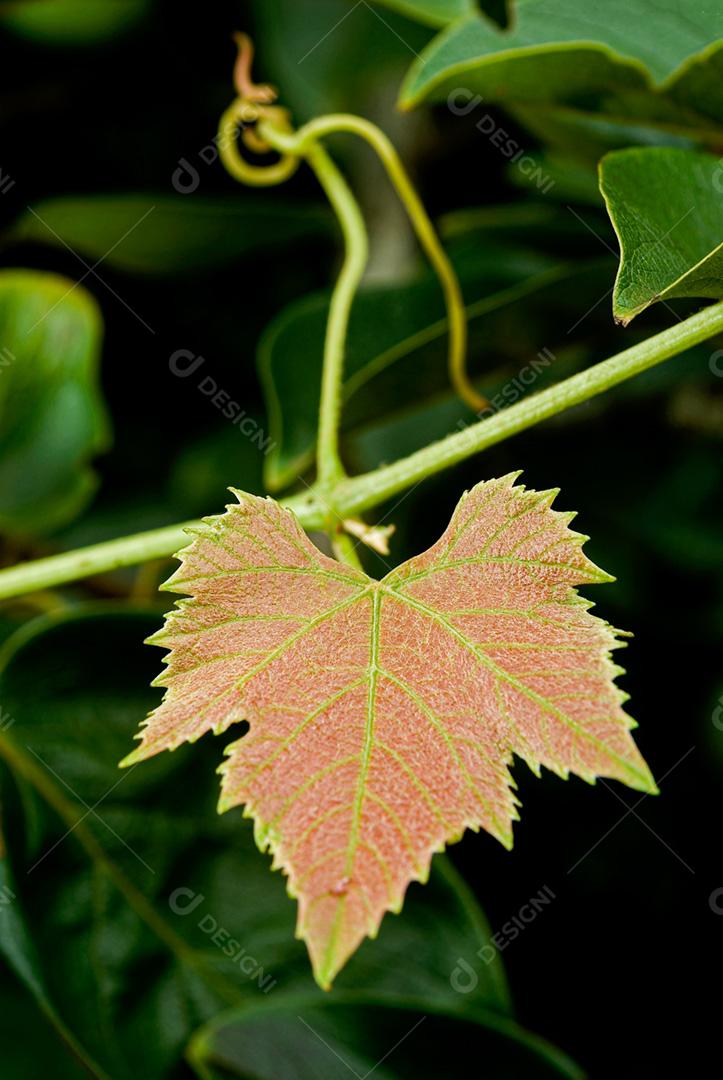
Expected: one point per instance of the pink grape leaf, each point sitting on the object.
(383, 715)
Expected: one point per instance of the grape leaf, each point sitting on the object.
(665, 206)
(343, 53)
(75, 895)
(152, 233)
(73, 22)
(432, 12)
(384, 714)
(337, 1039)
(570, 50)
(53, 419)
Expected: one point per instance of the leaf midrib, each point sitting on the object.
(366, 754)
(378, 591)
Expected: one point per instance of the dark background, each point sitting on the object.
(614, 970)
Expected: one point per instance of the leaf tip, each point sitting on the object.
(133, 758)
(507, 839)
(604, 578)
(641, 779)
(226, 801)
(322, 979)
(624, 316)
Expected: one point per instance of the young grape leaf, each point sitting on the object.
(71, 715)
(384, 714)
(665, 205)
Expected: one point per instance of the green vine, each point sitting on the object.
(335, 498)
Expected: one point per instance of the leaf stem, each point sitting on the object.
(345, 550)
(354, 494)
(274, 132)
(346, 208)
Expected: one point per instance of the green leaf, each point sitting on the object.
(306, 1039)
(52, 416)
(667, 209)
(72, 22)
(333, 56)
(196, 485)
(21, 1022)
(566, 179)
(569, 51)
(535, 224)
(19, 953)
(432, 12)
(506, 325)
(390, 324)
(585, 136)
(408, 429)
(128, 971)
(162, 234)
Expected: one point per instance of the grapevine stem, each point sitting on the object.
(358, 494)
(342, 122)
(346, 208)
(345, 550)
(355, 494)
(293, 146)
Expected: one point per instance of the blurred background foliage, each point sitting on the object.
(124, 244)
